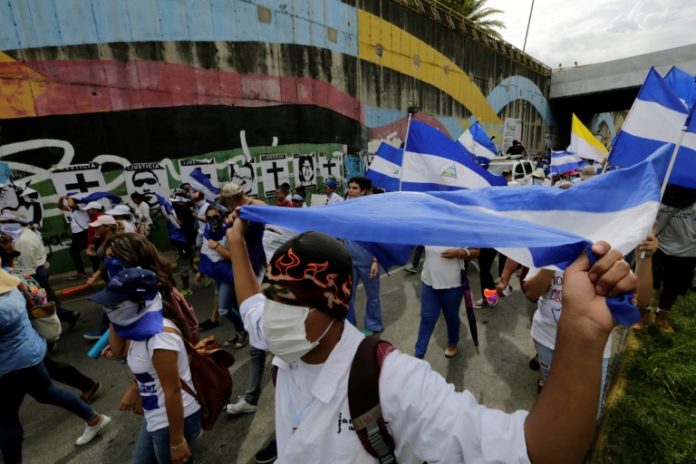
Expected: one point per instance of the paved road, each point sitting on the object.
(498, 377)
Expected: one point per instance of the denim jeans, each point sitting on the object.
(432, 300)
(34, 381)
(258, 365)
(153, 447)
(373, 308)
(545, 356)
(227, 299)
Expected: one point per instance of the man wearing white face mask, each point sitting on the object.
(300, 318)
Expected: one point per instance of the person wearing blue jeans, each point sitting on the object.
(23, 372)
(154, 446)
(365, 269)
(441, 289)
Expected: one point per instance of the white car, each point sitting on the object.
(521, 169)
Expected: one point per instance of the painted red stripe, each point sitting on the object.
(84, 86)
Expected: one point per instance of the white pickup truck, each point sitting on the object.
(521, 169)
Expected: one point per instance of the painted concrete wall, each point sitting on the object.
(143, 81)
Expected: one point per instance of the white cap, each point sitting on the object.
(119, 210)
(93, 205)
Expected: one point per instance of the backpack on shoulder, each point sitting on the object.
(209, 365)
(185, 311)
(363, 400)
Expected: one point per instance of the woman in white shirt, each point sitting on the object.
(441, 289)
(148, 335)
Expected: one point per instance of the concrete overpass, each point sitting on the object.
(609, 86)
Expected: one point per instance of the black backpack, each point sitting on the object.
(363, 402)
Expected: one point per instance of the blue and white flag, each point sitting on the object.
(543, 221)
(95, 196)
(209, 190)
(565, 161)
(479, 143)
(656, 117)
(683, 85)
(385, 169)
(433, 161)
(535, 226)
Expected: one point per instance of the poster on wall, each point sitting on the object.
(78, 179)
(148, 179)
(331, 165)
(304, 166)
(207, 168)
(512, 130)
(25, 200)
(244, 175)
(274, 171)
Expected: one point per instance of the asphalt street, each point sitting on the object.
(499, 377)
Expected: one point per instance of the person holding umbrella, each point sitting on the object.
(442, 289)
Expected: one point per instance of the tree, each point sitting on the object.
(478, 13)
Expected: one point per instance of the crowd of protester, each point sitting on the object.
(300, 318)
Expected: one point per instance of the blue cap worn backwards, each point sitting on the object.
(130, 284)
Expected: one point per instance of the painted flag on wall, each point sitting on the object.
(385, 169)
(207, 168)
(479, 143)
(584, 144)
(433, 161)
(682, 84)
(565, 161)
(656, 117)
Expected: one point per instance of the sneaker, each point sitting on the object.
(240, 407)
(410, 269)
(507, 291)
(534, 364)
(95, 334)
(241, 339)
(268, 454)
(451, 351)
(480, 303)
(207, 281)
(91, 432)
(661, 319)
(207, 325)
(187, 292)
(88, 395)
(367, 332)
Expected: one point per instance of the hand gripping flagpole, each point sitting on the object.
(411, 111)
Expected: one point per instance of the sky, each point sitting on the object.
(593, 31)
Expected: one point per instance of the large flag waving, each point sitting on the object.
(584, 144)
(433, 161)
(683, 85)
(385, 169)
(563, 161)
(656, 117)
(479, 143)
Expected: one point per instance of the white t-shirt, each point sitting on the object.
(128, 227)
(334, 198)
(140, 363)
(201, 209)
(79, 220)
(313, 416)
(142, 212)
(545, 321)
(33, 252)
(441, 273)
(211, 253)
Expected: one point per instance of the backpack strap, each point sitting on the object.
(363, 401)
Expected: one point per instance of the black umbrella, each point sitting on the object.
(470, 316)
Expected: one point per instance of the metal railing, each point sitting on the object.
(446, 16)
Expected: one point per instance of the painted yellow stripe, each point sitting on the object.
(399, 48)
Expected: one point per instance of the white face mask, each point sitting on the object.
(285, 331)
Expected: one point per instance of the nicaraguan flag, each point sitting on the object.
(656, 117)
(684, 171)
(564, 161)
(385, 169)
(95, 196)
(546, 222)
(206, 186)
(584, 144)
(536, 226)
(433, 161)
(683, 85)
(479, 143)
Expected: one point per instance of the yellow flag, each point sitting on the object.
(584, 144)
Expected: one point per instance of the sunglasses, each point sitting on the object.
(215, 216)
(147, 180)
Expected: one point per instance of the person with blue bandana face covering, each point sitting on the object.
(145, 332)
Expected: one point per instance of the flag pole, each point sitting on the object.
(411, 111)
(672, 161)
